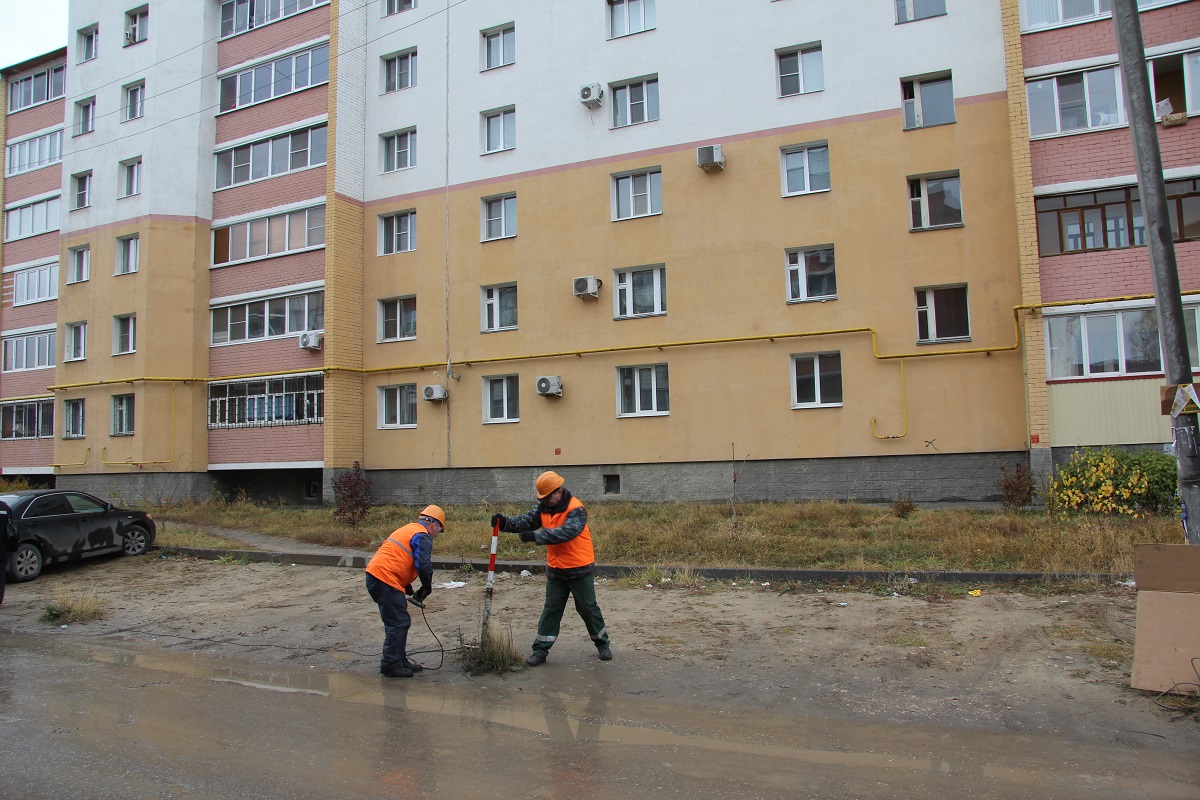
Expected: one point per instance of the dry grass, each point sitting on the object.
(188, 536)
(494, 654)
(74, 607)
(814, 535)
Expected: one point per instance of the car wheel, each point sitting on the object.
(137, 541)
(25, 564)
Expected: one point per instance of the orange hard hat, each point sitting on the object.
(547, 482)
(435, 512)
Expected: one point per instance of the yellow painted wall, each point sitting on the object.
(1107, 412)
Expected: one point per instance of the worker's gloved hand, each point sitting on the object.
(422, 593)
(528, 536)
(498, 522)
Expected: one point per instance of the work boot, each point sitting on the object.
(604, 652)
(536, 660)
(396, 672)
(414, 666)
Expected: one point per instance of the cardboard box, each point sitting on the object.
(1168, 618)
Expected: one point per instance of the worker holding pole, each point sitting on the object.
(559, 522)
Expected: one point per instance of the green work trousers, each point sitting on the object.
(583, 589)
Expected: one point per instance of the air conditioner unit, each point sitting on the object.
(587, 286)
(549, 385)
(311, 341)
(434, 391)
(710, 157)
(590, 94)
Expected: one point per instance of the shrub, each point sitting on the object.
(1111, 481)
(903, 506)
(1162, 474)
(1016, 486)
(352, 496)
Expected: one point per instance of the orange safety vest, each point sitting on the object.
(393, 561)
(575, 553)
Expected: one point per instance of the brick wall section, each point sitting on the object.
(1113, 273)
(303, 27)
(274, 443)
(251, 197)
(273, 113)
(27, 452)
(26, 316)
(255, 276)
(31, 184)
(1095, 39)
(34, 247)
(266, 356)
(1101, 154)
(28, 382)
(47, 115)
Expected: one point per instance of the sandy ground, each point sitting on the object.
(1001, 662)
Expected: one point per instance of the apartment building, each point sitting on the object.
(296, 285)
(1093, 359)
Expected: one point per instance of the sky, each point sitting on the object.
(31, 28)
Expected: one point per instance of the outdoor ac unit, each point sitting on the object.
(311, 341)
(434, 392)
(549, 385)
(587, 286)
(590, 95)
(710, 157)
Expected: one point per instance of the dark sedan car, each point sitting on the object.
(51, 525)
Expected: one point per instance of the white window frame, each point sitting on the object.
(303, 223)
(635, 102)
(623, 296)
(75, 341)
(79, 261)
(268, 80)
(398, 232)
(1052, 81)
(821, 399)
(20, 99)
(918, 200)
(393, 403)
(802, 157)
(33, 153)
(927, 313)
(81, 190)
(276, 401)
(798, 271)
(809, 73)
(259, 13)
(501, 210)
(85, 116)
(276, 316)
(74, 418)
(627, 17)
(1120, 315)
(395, 157)
(391, 7)
(31, 219)
(89, 43)
(282, 154)
(1056, 18)
(396, 79)
(637, 194)
(134, 101)
(128, 253)
(914, 107)
(499, 130)
(123, 407)
(493, 300)
(403, 310)
(499, 46)
(509, 399)
(131, 177)
(655, 376)
(906, 14)
(35, 284)
(36, 420)
(29, 351)
(137, 25)
(124, 339)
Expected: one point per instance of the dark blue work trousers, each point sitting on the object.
(393, 610)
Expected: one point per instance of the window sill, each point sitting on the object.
(931, 125)
(644, 414)
(498, 66)
(800, 94)
(384, 172)
(792, 301)
(640, 316)
(81, 280)
(129, 272)
(133, 119)
(268, 256)
(74, 437)
(27, 369)
(1041, 137)
(803, 406)
(129, 43)
(127, 196)
(920, 19)
(396, 427)
(632, 124)
(498, 150)
(34, 302)
(953, 340)
(74, 360)
(810, 191)
(1106, 377)
(637, 216)
(499, 421)
(400, 339)
(396, 253)
(121, 434)
(79, 208)
(498, 238)
(127, 353)
(612, 38)
(82, 133)
(498, 330)
(937, 227)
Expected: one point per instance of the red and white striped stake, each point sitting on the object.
(491, 581)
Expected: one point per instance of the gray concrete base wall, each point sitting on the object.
(142, 488)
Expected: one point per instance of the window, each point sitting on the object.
(127, 254)
(1108, 343)
(398, 406)
(49, 84)
(124, 334)
(400, 71)
(85, 116)
(934, 202)
(1075, 102)
(35, 284)
(76, 344)
(31, 219)
(643, 391)
(397, 319)
(399, 232)
(81, 190)
(816, 380)
(89, 43)
(499, 47)
(263, 319)
(499, 217)
(635, 102)
(1111, 218)
(269, 236)
(238, 16)
(276, 78)
(137, 24)
(28, 420)
(638, 194)
(122, 415)
(73, 413)
(942, 314)
(909, 10)
(396, 6)
(640, 292)
(629, 16)
(801, 70)
(500, 402)
(805, 169)
(400, 150)
(29, 351)
(297, 400)
(131, 177)
(135, 101)
(1047, 13)
(499, 310)
(30, 154)
(275, 156)
(499, 130)
(927, 102)
(811, 274)
(1175, 78)
(78, 264)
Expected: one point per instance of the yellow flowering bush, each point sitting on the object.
(1111, 481)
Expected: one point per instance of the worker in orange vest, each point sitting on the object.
(402, 558)
(559, 521)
